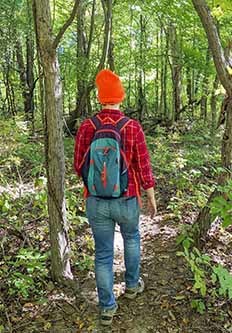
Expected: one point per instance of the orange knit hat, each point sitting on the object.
(110, 88)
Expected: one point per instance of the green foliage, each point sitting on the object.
(186, 165)
(85, 262)
(23, 153)
(40, 201)
(5, 204)
(198, 305)
(29, 273)
(222, 205)
(208, 278)
(224, 278)
(196, 262)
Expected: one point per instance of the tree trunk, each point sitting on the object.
(205, 88)
(164, 81)
(107, 7)
(215, 44)
(27, 82)
(111, 55)
(84, 96)
(30, 64)
(54, 149)
(81, 100)
(203, 221)
(30, 76)
(189, 90)
(111, 48)
(176, 71)
(141, 105)
(156, 87)
(162, 75)
(10, 98)
(213, 104)
(164, 47)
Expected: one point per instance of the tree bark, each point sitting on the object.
(9, 90)
(141, 104)
(107, 7)
(189, 90)
(205, 88)
(54, 148)
(81, 99)
(156, 86)
(176, 71)
(30, 76)
(26, 77)
(215, 44)
(204, 219)
(213, 105)
(164, 82)
(163, 74)
(111, 55)
(31, 82)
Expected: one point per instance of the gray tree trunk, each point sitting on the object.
(156, 85)
(205, 88)
(213, 105)
(9, 90)
(141, 102)
(204, 219)
(176, 71)
(26, 76)
(54, 148)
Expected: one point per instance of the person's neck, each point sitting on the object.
(111, 106)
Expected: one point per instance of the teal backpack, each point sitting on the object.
(104, 167)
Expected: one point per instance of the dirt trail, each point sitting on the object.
(164, 307)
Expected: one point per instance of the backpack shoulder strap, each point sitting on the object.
(122, 123)
(96, 122)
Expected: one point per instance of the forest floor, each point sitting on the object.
(186, 167)
(164, 306)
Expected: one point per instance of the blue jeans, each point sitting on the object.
(103, 214)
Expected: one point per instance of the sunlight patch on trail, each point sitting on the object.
(149, 228)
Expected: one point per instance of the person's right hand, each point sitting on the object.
(151, 202)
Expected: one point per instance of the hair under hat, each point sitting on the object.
(110, 88)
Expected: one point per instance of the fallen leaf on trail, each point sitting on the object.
(28, 305)
(185, 321)
(81, 325)
(15, 319)
(163, 282)
(47, 326)
(171, 315)
(179, 297)
(164, 257)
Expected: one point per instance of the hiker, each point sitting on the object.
(112, 158)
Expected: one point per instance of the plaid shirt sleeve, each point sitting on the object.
(83, 139)
(142, 161)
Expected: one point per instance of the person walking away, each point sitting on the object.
(112, 158)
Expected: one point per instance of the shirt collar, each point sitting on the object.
(111, 111)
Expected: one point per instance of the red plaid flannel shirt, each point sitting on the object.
(139, 172)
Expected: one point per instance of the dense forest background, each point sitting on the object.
(159, 49)
(174, 58)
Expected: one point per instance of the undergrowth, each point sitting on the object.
(186, 166)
